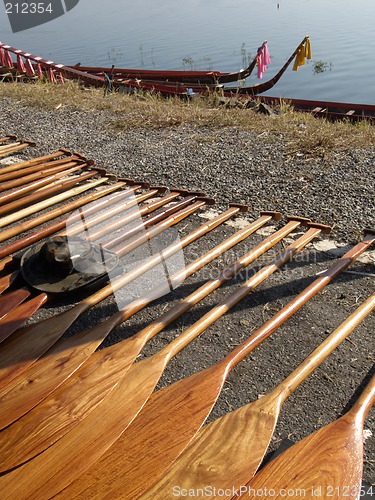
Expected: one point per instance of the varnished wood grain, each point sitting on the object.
(325, 464)
(11, 300)
(227, 453)
(172, 416)
(19, 315)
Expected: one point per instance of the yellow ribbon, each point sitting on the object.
(304, 52)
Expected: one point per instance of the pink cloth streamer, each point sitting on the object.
(263, 59)
(2, 57)
(20, 64)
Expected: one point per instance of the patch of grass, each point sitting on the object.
(303, 134)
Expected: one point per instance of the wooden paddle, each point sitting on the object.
(227, 453)
(33, 173)
(35, 161)
(325, 464)
(7, 149)
(17, 353)
(13, 299)
(173, 415)
(49, 190)
(20, 314)
(104, 207)
(33, 187)
(95, 435)
(66, 208)
(20, 214)
(104, 369)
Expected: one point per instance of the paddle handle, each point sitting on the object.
(325, 348)
(295, 304)
(363, 405)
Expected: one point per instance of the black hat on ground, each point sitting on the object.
(63, 264)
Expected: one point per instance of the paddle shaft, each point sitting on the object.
(135, 214)
(324, 350)
(294, 305)
(66, 208)
(363, 405)
(16, 146)
(47, 191)
(34, 161)
(41, 205)
(82, 221)
(19, 228)
(11, 145)
(35, 186)
(8, 138)
(90, 208)
(219, 310)
(150, 221)
(19, 177)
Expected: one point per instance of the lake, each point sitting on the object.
(218, 34)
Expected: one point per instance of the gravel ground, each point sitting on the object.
(234, 165)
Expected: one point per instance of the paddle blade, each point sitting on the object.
(325, 464)
(66, 407)
(159, 434)
(224, 454)
(17, 352)
(19, 315)
(62, 463)
(11, 300)
(7, 280)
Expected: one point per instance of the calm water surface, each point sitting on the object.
(218, 34)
